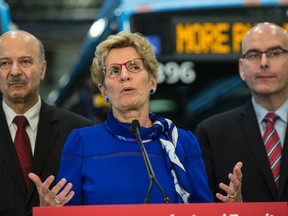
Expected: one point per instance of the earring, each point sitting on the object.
(151, 91)
(107, 100)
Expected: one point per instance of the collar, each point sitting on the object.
(122, 131)
(32, 114)
(261, 112)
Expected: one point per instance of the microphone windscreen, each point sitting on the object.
(135, 124)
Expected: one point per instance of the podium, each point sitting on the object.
(211, 209)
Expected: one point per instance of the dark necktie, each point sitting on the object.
(23, 147)
(273, 146)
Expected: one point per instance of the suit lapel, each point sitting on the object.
(45, 140)
(8, 152)
(254, 142)
(284, 168)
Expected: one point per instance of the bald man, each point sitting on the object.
(22, 68)
(237, 135)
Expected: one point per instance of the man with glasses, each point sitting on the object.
(254, 133)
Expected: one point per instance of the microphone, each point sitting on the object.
(152, 178)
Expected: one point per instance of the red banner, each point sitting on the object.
(213, 209)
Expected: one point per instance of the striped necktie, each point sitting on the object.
(272, 145)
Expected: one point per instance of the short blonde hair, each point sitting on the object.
(122, 40)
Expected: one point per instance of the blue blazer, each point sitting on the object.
(105, 165)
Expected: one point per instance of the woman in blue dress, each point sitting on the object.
(104, 163)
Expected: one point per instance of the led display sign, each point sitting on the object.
(210, 37)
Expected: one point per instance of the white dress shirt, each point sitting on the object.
(32, 116)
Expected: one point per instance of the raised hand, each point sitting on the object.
(234, 190)
(52, 197)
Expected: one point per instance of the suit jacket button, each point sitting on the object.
(29, 212)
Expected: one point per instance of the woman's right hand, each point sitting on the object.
(52, 197)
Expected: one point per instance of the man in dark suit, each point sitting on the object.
(22, 68)
(236, 135)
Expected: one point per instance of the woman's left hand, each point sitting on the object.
(234, 190)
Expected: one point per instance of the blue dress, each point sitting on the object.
(105, 165)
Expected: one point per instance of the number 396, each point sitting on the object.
(171, 72)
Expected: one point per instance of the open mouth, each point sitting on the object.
(127, 89)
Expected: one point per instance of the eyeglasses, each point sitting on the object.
(113, 70)
(255, 55)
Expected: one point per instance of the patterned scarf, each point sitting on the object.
(166, 131)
